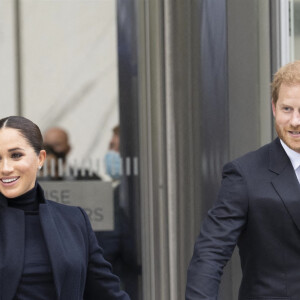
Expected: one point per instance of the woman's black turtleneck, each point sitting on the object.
(37, 277)
(27, 202)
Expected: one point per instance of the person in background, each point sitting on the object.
(258, 208)
(48, 250)
(118, 244)
(112, 159)
(57, 140)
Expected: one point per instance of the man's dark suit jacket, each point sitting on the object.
(258, 208)
(79, 269)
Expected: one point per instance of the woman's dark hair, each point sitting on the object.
(27, 128)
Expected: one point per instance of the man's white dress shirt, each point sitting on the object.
(294, 157)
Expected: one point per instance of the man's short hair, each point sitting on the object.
(289, 74)
(116, 130)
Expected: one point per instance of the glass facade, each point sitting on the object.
(140, 104)
(294, 31)
(76, 72)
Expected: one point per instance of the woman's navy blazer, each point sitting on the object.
(79, 270)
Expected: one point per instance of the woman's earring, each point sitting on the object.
(40, 167)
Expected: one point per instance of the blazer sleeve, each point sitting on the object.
(218, 236)
(101, 283)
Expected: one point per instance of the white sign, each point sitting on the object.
(94, 196)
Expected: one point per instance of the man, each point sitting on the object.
(119, 245)
(112, 159)
(57, 139)
(258, 208)
(114, 143)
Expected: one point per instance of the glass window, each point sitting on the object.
(70, 70)
(294, 30)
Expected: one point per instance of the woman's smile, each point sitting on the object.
(9, 180)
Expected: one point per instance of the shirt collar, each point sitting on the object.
(293, 155)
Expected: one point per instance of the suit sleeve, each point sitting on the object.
(101, 283)
(218, 236)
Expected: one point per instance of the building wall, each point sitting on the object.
(65, 56)
(203, 79)
(8, 61)
(204, 100)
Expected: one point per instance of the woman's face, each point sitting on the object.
(19, 163)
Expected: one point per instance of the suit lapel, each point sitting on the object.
(12, 240)
(55, 247)
(285, 183)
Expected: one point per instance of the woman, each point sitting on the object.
(48, 250)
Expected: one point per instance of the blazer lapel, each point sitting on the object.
(12, 240)
(55, 247)
(285, 183)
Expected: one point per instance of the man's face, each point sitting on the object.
(115, 143)
(287, 115)
(58, 140)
